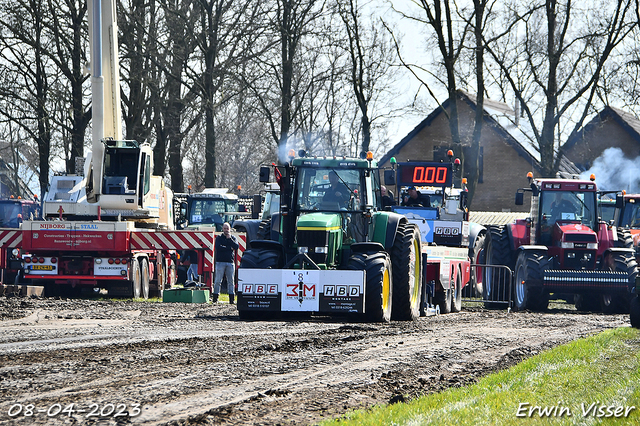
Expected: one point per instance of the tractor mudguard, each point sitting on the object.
(392, 227)
(475, 229)
(249, 225)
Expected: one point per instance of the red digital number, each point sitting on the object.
(430, 175)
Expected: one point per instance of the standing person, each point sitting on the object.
(224, 252)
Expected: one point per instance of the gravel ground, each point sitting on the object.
(197, 364)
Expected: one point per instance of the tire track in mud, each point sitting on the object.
(198, 364)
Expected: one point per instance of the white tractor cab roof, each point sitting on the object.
(211, 207)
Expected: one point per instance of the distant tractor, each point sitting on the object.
(331, 249)
(563, 249)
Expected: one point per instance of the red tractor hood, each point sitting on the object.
(574, 232)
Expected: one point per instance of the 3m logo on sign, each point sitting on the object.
(304, 290)
(341, 291)
(260, 289)
(442, 230)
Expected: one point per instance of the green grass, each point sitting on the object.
(602, 369)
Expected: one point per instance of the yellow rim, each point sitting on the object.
(416, 271)
(385, 289)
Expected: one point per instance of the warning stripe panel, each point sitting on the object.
(10, 238)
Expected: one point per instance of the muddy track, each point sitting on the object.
(188, 364)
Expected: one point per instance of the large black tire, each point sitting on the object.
(144, 278)
(161, 277)
(634, 312)
(624, 262)
(406, 259)
(259, 259)
(379, 288)
(264, 230)
(530, 266)
(456, 295)
(477, 256)
(136, 279)
(497, 252)
(624, 238)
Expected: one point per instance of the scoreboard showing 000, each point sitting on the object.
(425, 174)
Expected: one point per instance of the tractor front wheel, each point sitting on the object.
(379, 289)
(530, 268)
(497, 252)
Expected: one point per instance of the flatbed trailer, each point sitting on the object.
(117, 256)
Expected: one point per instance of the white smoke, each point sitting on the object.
(615, 172)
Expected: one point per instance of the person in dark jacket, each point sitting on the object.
(337, 192)
(387, 199)
(416, 199)
(225, 266)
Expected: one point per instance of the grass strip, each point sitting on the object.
(595, 380)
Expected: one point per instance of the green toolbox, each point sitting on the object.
(185, 295)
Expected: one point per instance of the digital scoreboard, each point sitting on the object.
(425, 174)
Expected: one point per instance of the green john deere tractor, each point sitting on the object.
(332, 249)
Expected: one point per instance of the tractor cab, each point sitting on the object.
(562, 207)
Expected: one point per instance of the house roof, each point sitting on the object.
(629, 122)
(516, 132)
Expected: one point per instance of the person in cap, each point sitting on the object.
(416, 199)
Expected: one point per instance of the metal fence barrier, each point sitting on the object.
(491, 285)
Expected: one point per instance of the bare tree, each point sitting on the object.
(69, 39)
(27, 74)
(371, 56)
(564, 62)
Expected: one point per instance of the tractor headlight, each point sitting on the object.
(15, 252)
(98, 260)
(592, 246)
(323, 250)
(571, 255)
(566, 245)
(303, 249)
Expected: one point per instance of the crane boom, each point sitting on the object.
(105, 81)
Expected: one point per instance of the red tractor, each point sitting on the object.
(562, 248)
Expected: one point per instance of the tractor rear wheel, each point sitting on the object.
(623, 262)
(497, 252)
(264, 230)
(379, 288)
(530, 266)
(406, 258)
(624, 238)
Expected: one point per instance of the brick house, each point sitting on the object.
(507, 151)
(611, 127)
